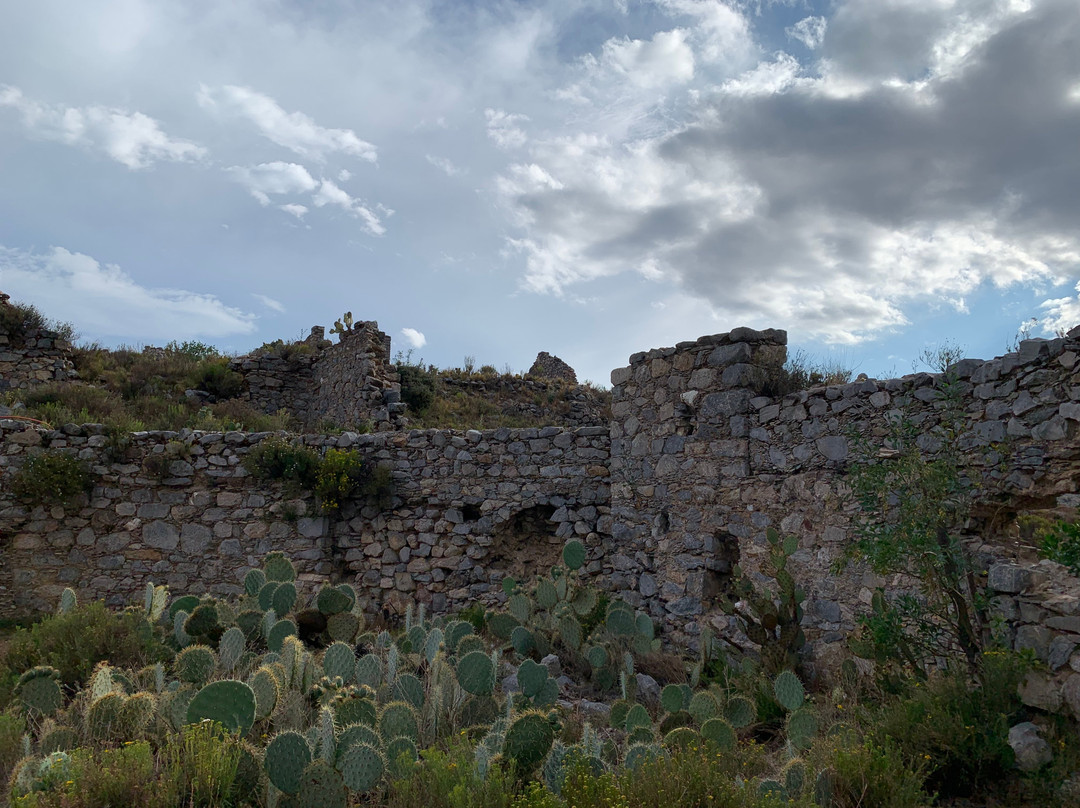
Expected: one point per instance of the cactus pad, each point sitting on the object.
(637, 716)
(279, 568)
(321, 787)
(720, 732)
(266, 595)
(369, 670)
(203, 621)
(639, 753)
(68, 600)
(573, 554)
(339, 660)
(284, 599)
(546, 596)
(531, 677)
(254, 581)
(287, 756)
(523, 640)
(280, 630)
(362, 766)
(621, 622)
(801, 727)
(39, 690)
(343, 627)
(476, 673)
(400, 755)
(789, 690)
(672, 699)
(502, 624)
(398, 719)
(195, 664)
(409, 689)
(681, 738)
(740, 711)
(331, 600)
(528, 740)
(227, 701)
(187, 603)
(520, 607)
(355, 734)
(703, 706)
(454, 632)
(231, 648)
(265, 687)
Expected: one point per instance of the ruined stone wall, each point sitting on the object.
(549, 402)
(467, 509)
(356, 382)
(703, 461)
(347, 383)
(32, 357)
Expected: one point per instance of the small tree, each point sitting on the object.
(911, 503)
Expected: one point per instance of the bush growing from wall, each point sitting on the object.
(51, 478)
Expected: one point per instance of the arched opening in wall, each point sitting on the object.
(722, 555)
(525, 544)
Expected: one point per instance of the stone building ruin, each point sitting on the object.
(700, 456)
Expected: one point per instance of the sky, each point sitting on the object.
(490, 179)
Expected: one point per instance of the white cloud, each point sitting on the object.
(444, 165)
(273, 178)
(269, 302)
(665, 59)
(331, 194)
(414, 338)
(344, 175)
(293, 130)
(1061, 314)
(503, 128)
(294, 210)
(810, 31)
(131, 138)
(103, 301)
(721, 33)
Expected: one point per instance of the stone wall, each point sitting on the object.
(347, 383)
(701, 456)
(32, 356)
(703, 461)
(552, 403)
(179, 508)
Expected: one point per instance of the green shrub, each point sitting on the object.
(278, 459)
(105, 778)
(12, 728)
(417, 387)
(51, 478)
(215, 377)
(1062, 544)
(448, 779)
(74, 642)
(193, 349)
(337, 477)
(201, 765)
(865, 774)
(956, 729)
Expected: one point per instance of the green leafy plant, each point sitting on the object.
(279, 459)
(51, 478)
(1062, 544)
(337, 477)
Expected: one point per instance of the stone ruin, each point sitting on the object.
(701, 454)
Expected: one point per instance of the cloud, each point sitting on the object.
(830, 202)
(444, 165)
(414, 338)
(273, 178)
(504, 130)
(294, 210)
(810, 31)
(331, 194)
(269, 302)
(293, 130)
(130, 138)
(102, 301)
(665, 59)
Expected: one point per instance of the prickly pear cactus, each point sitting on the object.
(227, 701)
(574, 554)
(195, 664)
(279, 568)
(68, 600)
(287, 756)
(720, 732)
(528, 740)
(362, 767)
(476, 673)
(254, 581)
(789, 690)
(39, 690)
(231, 648)
(321, 786)
(740, 711)
(340, 660)
(398, 719)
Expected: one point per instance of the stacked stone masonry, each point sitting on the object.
(554, 403)
(33, 357)
(697, 461)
